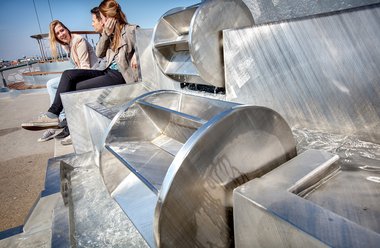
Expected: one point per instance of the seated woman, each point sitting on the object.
(83, 57)
(117, 45)
(79, 49)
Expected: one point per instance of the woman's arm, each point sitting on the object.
(83, 54)
(105, 38)
(102, 46)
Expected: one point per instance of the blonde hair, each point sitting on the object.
(53, 38)
(111, 9)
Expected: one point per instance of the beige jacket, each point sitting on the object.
(81, 52)
(124, 52)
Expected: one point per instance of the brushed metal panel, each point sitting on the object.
(266, 11)
(321, 73)
(206, 36)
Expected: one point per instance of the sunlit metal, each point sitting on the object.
(188, 42)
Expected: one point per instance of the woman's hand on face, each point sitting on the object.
(109, 26)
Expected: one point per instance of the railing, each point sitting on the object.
(14, 67)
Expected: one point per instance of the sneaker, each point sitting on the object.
(66, 141)
(63, 134)
(62, 123)
(42, 122)
(47, 135)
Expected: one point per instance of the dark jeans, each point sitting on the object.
(80, 79)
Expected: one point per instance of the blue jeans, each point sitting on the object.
(52, 86)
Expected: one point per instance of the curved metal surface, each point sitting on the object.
(171, 27)
(142, 141)
(206, 38)
(187, 43)
(181, 156)
(113, 131)
(194, 207)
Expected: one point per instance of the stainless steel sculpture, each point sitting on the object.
(181, 156)
(188, 42)
(172, 159)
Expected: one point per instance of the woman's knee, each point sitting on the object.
(53, 83)
(69, 73)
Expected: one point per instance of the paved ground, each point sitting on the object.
(23, 160)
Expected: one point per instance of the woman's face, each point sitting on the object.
(62, 34)
(96, 24)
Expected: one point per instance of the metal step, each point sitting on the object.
(180, 41)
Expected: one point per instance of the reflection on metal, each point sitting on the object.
(188, 42)
(88, 124)
(180, 156)
(320, 73)
(312, 200)
(269, 11)
(98, 221)
(150, 73)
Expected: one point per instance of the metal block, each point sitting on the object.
(277, 210)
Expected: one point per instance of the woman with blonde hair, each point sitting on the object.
(79, 49)
(117, 44)
(82, 56)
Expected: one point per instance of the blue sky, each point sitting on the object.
(18, 19)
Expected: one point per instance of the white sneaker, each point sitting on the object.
(67, 141)
(42, 122)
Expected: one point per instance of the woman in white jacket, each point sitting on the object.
(82, 55)
(79, 49)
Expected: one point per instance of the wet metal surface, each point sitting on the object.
(335, 204)
(98, 221)
(354, 192)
